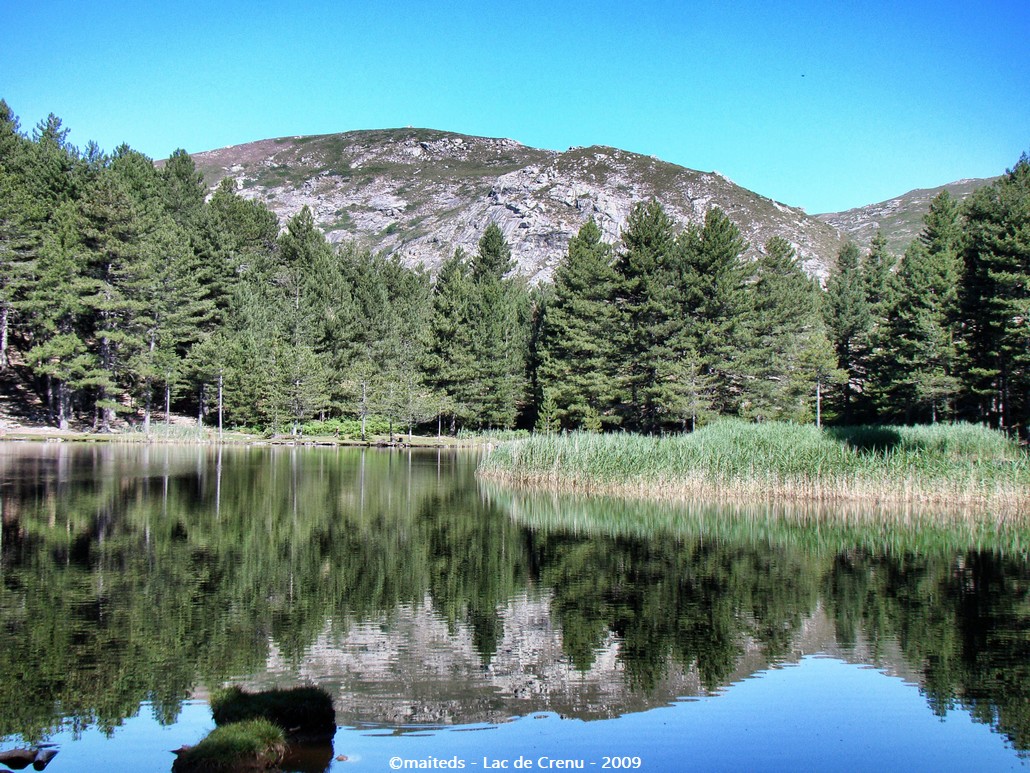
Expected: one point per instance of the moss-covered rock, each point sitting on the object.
(305, 714)
(251, 745)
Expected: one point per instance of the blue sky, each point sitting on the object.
(823, 105)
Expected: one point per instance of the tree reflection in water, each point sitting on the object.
(144, 574)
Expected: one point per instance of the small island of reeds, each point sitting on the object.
(964, 468)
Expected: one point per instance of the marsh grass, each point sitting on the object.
(960, 468)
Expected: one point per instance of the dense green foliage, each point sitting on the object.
(125, 290)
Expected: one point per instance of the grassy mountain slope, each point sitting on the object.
(901, 218)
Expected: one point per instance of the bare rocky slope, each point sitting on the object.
(421, 193)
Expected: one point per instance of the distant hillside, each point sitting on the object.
(901, 218)
(420, 193)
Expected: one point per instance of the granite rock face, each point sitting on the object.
(421, 193)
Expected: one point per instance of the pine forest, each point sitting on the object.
(129, 292)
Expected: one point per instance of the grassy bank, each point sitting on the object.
(961, 467)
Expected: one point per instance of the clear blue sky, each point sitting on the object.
(825, 105)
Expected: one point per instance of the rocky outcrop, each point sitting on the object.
(420, 194)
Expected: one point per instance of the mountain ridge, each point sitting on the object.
(420, 193)
(900, 217)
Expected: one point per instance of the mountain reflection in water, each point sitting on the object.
(153, 574)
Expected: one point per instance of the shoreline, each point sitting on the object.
(233, 438)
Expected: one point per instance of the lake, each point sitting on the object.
(462, 626)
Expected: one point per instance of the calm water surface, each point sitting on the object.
(463, 626)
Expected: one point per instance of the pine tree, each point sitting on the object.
(53, 170)
(789, 359)
(18, 245)
(942, 226)
(574, 352)
(24, 212)
(995, 300)
(645, 316)
(817, 365)
(716, 306)
(141, 182)
(303, 376)
(499, 322)
(184, 190)
(176, 313)
(449, 362)
(849, 319)
(916, 361)
(56, 313)
(237, 237)
(921, 349)
(111, 239)
(877, 268)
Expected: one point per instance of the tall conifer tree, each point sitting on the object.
(850, 320)
(995, 300)
(716, 307)
(646, 321)
(499, 323)
(789, 357)
(574, 348)
(449, 363)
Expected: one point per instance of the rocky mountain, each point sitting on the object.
(420, 193)
(901, 218)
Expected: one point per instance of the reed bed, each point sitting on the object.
(961, 468)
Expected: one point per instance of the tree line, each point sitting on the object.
(126, 289)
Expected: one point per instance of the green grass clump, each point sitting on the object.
(963, 466)
(301, 712)
(255, 744)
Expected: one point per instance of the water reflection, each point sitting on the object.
(151, 574)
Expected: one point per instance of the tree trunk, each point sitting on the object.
(4, 316)
(818, 404)
(63, 404)
(50, 398)
(220, 381)
(364, 411)
(146, 408)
